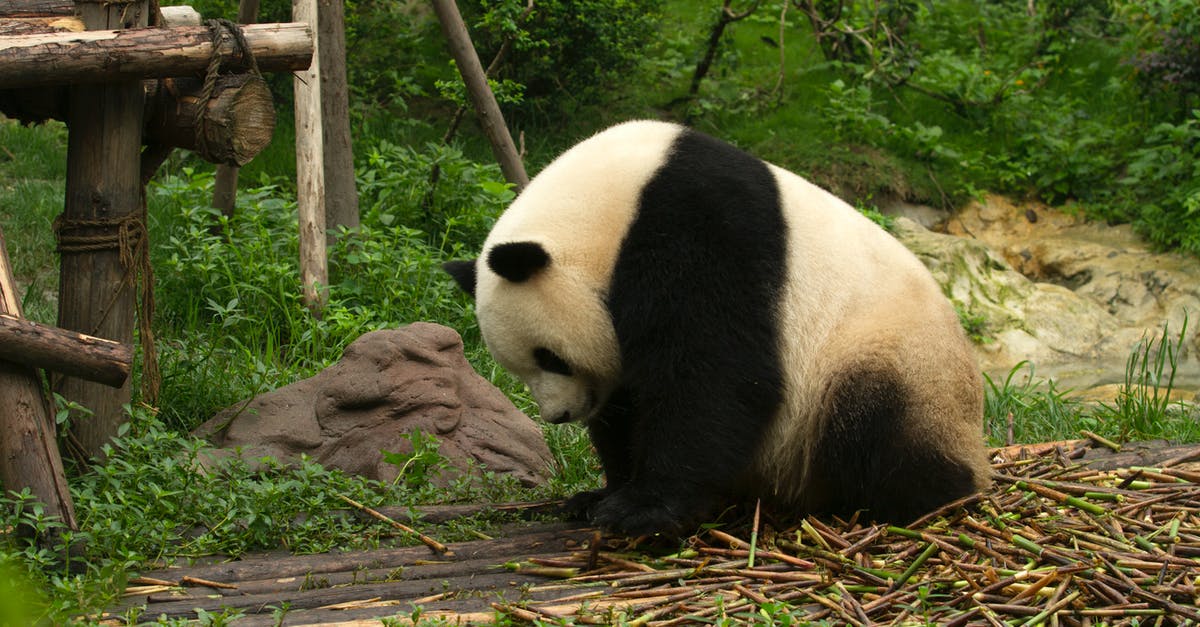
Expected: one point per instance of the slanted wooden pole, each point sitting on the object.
(103, 223)
(480, 94)
(310, 170)
(29, 456)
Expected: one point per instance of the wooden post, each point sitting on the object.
(310, 171)
(29, 454)
(226, 181)
(104, 191)
(341, 195)
(480, 94)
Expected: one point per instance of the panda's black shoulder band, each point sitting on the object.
(517, 261)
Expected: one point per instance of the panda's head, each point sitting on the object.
(545, 324)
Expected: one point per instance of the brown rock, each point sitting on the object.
(388, 384)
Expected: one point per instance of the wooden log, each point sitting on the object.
(104, 187)
(103, 56)
(36, 8)
(29, 456)
(41, 346)
(225, 181)
(310, 171)
(239, 119)
(181, 15)
(480, 94)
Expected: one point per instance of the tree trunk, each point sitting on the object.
(480, 94)
(104, 199)
(29, 456)
(341, 195)
(103, 56)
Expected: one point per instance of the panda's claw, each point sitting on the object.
(633, 514)
(580, 506)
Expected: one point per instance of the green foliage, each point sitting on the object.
(563, 51)
(227, 287)
(1164, 48)
(421, 466)
(1143, 408)
(1035, 408)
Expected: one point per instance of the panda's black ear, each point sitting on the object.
(463, 273)
(517, 261)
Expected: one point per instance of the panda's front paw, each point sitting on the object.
(580, 506)
(634, 514)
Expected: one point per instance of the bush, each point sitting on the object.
(564, 50)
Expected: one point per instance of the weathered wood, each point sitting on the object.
(480, 94)
(15, 27)
(40, 346)
(36, 8)
(239, 119)
(96, 287)
(310, 170)
(543, 539)
(101, 56)
(29, 456)
(492, 584)
(226, 179)
(308, 582)
(341, 195)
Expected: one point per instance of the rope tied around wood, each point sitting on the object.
(128, 236)
(220, 29)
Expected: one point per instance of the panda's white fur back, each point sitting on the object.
(853, 301)
(864, 298)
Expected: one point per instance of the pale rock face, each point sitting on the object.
(1073, 298)
(388, 384)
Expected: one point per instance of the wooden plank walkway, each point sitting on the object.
(338, 587)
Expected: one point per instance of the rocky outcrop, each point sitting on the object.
(1071, 297)
(388, 384)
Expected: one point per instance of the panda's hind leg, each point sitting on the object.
(878, 451)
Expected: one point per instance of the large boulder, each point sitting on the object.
(388, 384)
(1071, 297)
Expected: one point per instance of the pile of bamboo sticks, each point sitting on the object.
(1050, 543)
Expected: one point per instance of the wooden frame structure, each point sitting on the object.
(121, 74)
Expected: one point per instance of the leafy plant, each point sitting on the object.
(421, 466)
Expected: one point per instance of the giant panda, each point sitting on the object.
(727, 331)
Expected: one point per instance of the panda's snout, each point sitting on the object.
(561, 418)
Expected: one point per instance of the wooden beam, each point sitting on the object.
(105, 56)
(310, 170)
(95, 359)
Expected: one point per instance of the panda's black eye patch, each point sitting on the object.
(549, 361)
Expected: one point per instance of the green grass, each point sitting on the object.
(32, 191)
